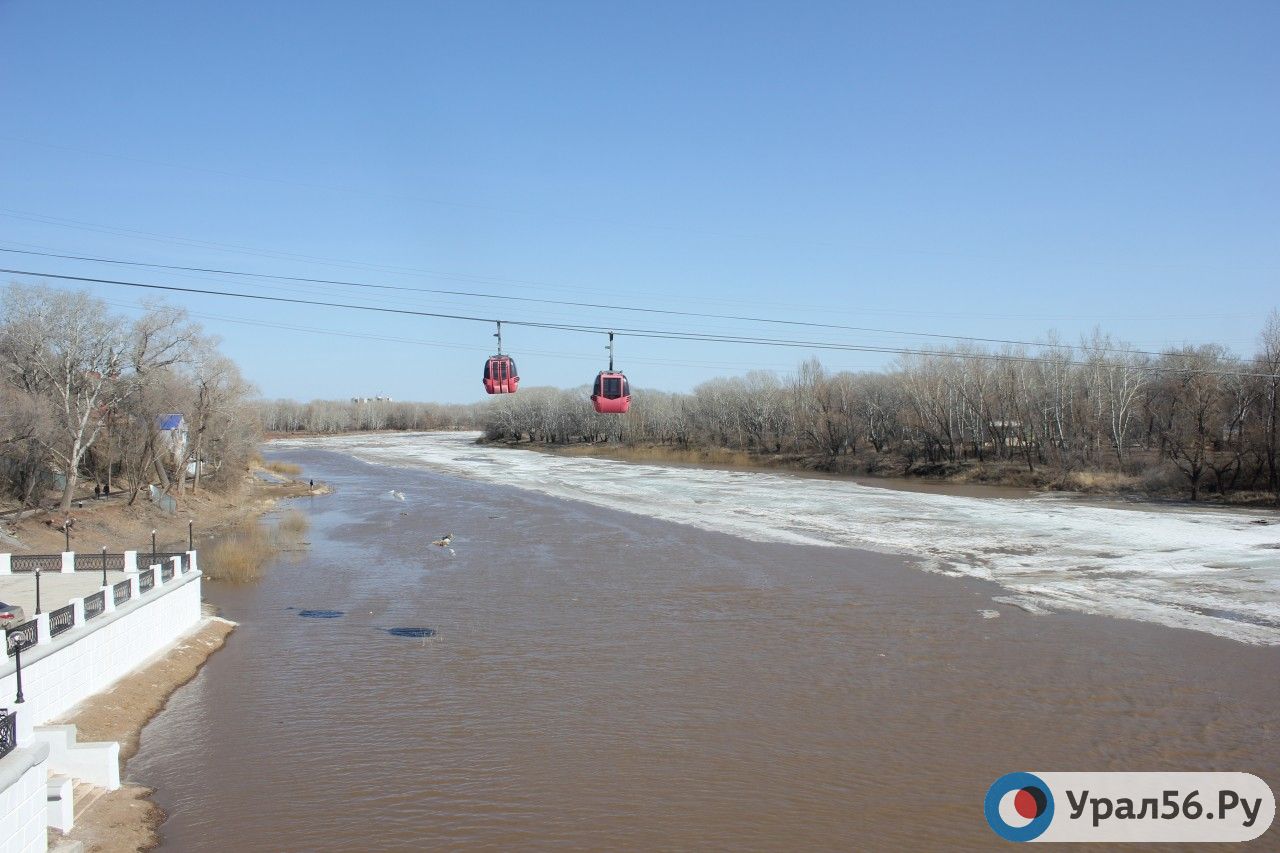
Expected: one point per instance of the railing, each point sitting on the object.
(31, 562)
(8, 731)
(22, 637)
(61, 620)
(163, 558)
(94, 562)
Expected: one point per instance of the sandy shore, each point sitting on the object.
(126, 820)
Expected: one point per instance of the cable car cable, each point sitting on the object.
(575, 304)
(639, 333)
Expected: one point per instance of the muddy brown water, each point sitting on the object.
(600, 680)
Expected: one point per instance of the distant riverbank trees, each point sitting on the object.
(83, 393)
(1094, 415)
(362, 415)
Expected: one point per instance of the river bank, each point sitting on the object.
(114, 523)
(972, 477)
(125, 820)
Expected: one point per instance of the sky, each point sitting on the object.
(983, 169)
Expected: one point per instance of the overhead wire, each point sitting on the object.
(489, 279)
(631, 332)
(438, 344)
(574, 304)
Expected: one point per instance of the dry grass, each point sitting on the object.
(1100, 481)
(288, 469)
(239, 556)
(294, 523)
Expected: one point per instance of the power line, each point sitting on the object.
(573, 304)
(631, 332)
(489, 279)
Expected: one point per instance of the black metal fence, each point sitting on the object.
(61, 620)
(8, 731)
(22, 637)
(163, 558)
(31, 562)
(90, 562)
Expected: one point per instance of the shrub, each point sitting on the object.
(239, 556)
(294, 523)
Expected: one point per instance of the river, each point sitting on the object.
(609, 676)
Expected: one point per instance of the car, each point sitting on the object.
(11, 615)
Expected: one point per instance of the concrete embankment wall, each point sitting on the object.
(23, 785)
(90, 657)
(90, 651)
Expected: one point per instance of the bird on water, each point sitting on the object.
(444, 541)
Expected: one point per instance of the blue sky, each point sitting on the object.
(987, 169)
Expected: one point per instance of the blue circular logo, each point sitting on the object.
(1019, 806)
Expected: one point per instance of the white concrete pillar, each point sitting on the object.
(130, 561)
(42, 628)
(68, 562)
(192, 561)
(77, 610)
(6, 564)
(134, 588)
(177, 567)
(108, 600)
(25, 723)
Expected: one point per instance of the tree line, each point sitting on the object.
(83, 391)
(363, 415)
(1193, 418)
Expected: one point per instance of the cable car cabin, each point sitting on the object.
(611, 394)
(500, 375)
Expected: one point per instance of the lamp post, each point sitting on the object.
(66, 532)
(153, 546)
(191, 534)
(17, 666)
(37, 590)
(104, 565)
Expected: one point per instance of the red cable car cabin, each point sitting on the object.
(500, 375)
(611, 394)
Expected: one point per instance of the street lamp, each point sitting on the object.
(37, 590)
(17, 666)
(191, 534)
(153, 546)
(104, 565)
(66, 531)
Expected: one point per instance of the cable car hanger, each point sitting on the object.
(500, 375)
(611, 394)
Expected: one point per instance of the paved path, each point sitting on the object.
(56, 589)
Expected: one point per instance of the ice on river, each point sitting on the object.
(1208, 570)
